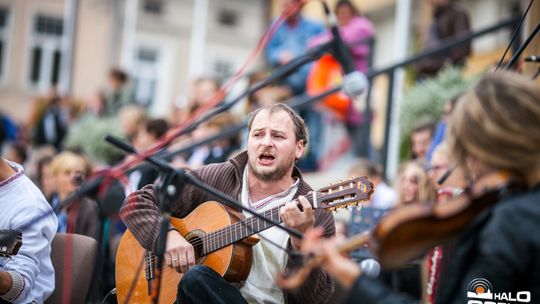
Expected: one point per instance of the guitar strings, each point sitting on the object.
(212, 237)
(215, 237)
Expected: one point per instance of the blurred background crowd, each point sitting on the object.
(73, 71)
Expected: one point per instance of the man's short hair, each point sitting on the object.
(300, 129)
(423, 125)
(157, 127)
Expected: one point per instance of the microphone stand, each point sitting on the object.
(522, 48)
(172, 182)
(91, 186)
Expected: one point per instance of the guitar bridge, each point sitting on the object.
(149, 268)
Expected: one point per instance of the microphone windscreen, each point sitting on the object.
(370, 268)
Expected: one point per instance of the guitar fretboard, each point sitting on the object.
(242, 229)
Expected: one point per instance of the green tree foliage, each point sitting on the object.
(425, 100)
(88, 134)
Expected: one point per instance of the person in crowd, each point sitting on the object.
(414, 184)
(439, 258)
(218, 151)
(202, 91)
(450, 20)
(266, 96)
(440, 128)
(384, 196)
(353, 28)
(17, 152)
(119, 95)
(263, 177)
(497, 246)
(420, 138)
(49, 121)
(8, 129)
(441, 162)
(44, 177)
(28, 276)
(79, 215)
(132, 117)
(291, 40)
(147, 136)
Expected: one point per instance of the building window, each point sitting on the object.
(3, 39)
(46, 52)
(228, 18)
(146, 76)
(153, 6)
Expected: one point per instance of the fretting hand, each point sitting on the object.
(293, 217)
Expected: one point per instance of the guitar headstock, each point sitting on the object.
(344, 194)
(10, 242)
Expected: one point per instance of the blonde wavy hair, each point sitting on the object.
(426, 190)
(498, 124)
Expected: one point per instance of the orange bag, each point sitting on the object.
(325, 74)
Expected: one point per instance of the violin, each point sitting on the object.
(407, 232)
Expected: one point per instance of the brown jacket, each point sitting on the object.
(142, 216)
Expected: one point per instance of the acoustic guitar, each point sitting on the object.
(222, 239)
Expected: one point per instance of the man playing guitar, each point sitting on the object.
(263, 177)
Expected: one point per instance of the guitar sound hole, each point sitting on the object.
(197, 243)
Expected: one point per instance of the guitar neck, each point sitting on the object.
(243, 229)
(342, 194)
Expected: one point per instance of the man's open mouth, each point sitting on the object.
(266, 158)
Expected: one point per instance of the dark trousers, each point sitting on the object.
(201, 284)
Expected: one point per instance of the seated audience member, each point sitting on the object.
(414, 184)
(28, 276)
(44, 177)
(79, 215)
(146, 137)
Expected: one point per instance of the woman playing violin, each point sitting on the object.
(494, 131)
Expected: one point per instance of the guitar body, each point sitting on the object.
(232, 262)
(222, 240)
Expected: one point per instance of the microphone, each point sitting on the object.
(78, 179)
(354, 82)
(370, 268)
(532, 58)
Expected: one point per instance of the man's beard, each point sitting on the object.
(279, 172)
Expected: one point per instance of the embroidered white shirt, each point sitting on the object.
(260, 286)
(23, 207)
